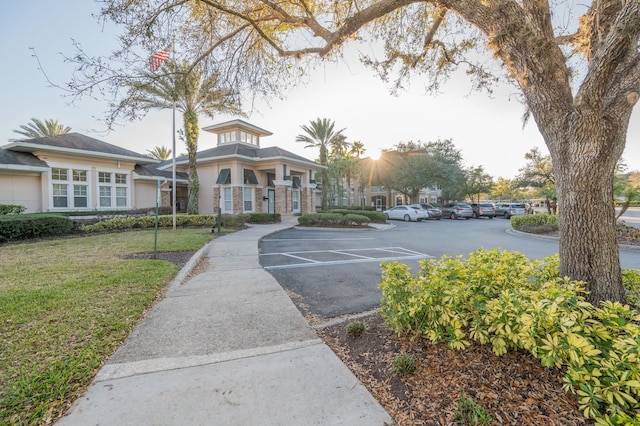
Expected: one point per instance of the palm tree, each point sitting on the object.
(159, 153)
(320, 134)
(188, 89)
(40, 129)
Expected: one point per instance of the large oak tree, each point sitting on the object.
(582, 109)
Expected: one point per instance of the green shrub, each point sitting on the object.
(356, 328)
(468, 412)
(404, 365)
(535, 223)
(7, 209)
(512, 303)
(374, 216)
(146, 222)
(332, 219)
(36, 225)
(263, 218)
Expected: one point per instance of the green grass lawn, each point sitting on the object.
(66, 305)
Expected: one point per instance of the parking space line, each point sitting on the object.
(344, 262)
(299, 257)
(350, 254)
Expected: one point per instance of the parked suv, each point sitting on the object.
(456, 210)
(510, 209)
(483, 210)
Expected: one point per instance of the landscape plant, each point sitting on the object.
(67, 305)
(469, 413)
(356, 328)
(505, 300)
(404, 365)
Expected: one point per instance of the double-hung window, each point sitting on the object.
(113, 190)
(247, 198)
(69, 188)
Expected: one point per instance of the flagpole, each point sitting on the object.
(173, 127)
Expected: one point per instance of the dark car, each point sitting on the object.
(434, 212)
(457, 210)
(483, 210)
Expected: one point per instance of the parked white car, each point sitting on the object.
(406, 213)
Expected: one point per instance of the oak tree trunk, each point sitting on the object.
(584, 166)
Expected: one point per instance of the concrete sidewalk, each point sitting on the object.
(226, 347)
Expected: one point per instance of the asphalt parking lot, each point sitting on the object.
(330, 273)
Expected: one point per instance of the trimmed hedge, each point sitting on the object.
(17, 227)
(374, 216)
(538, 223)
(182, 220)
(7, 209)
(145, 222)
(333, 219)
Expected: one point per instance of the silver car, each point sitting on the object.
(507, 210)
(457, 210)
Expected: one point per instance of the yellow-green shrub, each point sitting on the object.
(505, 300)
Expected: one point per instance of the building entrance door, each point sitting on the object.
(271, 201)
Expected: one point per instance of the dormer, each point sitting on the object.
(237, 131)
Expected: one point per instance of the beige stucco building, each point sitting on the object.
(74, 172)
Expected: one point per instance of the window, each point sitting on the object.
(69, 188)
(121, 196)
(224, 178)
(250, 177)
(114, 190)
(59, 174)
(247, 198)
(60, 195)
(80, 197)
(105, 196)
(104, 177)
(228, 200)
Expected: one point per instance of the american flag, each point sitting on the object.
(157, 59)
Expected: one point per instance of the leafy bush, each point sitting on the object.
(7, 209)
(512, 303)
(404, 365)
(332, 219)
(356, 328)
(263, 218)
(146, 222)
(374, 216)
(36, 225)
(535, 223)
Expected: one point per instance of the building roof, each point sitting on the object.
(21, 161)
(236, 124)
(246, 152)
(78, 144)
(153, 173)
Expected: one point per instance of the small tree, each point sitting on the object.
(321, 134)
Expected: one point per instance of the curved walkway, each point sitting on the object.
(226, 346)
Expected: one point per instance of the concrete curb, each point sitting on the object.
(552, 238)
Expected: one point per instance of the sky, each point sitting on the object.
(488, 131)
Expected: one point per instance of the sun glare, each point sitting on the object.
(375, 154)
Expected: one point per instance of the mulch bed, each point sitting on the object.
(514, 389)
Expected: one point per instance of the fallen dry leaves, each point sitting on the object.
(514, 389)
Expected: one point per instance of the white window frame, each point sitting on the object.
(72, 187)
(114, 190)
(247, 197)
(227, 199)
